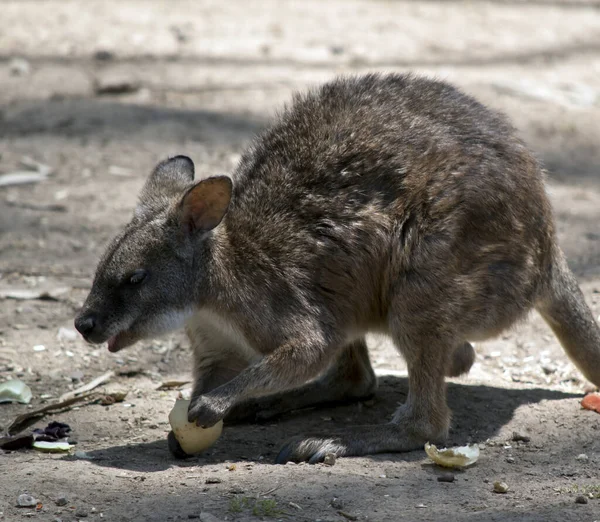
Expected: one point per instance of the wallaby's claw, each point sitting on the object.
(310, 449)
(205, 411)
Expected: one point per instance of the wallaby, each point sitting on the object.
(381, 203)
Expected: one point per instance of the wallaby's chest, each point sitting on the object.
(212, 334)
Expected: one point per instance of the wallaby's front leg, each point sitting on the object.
(287, 367)
(216, 361)
(349, 378)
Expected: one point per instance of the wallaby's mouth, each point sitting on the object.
(120, 341)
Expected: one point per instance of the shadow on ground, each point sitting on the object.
(86, 118)
(479, 414)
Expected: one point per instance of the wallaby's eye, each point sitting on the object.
(137, 277)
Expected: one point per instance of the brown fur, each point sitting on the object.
(389, 204)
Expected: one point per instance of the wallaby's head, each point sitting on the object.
(147, 281)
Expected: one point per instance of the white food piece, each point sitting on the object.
(15, 391)
(459, 457)
(51, 447)
(192, 439)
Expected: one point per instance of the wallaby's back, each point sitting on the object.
(382, 182)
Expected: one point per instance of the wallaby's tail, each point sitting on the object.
(563, 307)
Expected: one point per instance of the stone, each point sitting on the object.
(500, 487)
(446, 477)
(519, 437)
(336, 503)
(329, 459)
(26, 500)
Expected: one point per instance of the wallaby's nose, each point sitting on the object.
(85, 325)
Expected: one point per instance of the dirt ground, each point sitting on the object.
(202, 77)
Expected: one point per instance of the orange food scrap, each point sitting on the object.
(591, 402)
(39, 506)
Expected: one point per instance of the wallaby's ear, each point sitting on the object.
(179, 169)
(169, 178)
(205, 204)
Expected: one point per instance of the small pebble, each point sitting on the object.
(336, 503)
(103, 56)
(77, 376)
(582, 457)
(66, 334)
(519, 437)
(581, 500)
(510, 460)
(213, 480)
(446, 477)
(81, 513)
(61, 500)
(26, 500)
(500, 487)
(329, 459)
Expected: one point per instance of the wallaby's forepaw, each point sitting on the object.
(311, 449)
(206, 411)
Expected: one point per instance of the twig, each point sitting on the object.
(87, 387)
(270, 491)
(50, 207)
(27, 419)
(347, 515)
(169, 385)
(21, 178)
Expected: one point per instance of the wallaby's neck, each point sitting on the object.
(222, 285)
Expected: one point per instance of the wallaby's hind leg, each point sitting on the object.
(350, 378)
(565, 310)
(424, 417)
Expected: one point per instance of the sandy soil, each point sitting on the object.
(204, 77)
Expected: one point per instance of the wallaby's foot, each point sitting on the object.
(350, 378)
(402, 435)
(462, 360)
